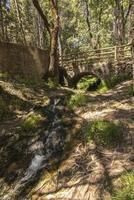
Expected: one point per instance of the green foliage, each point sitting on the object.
(4, 110)
(31, 122)
(78, 99)
(103, 87)
(28, 82)
(52, 84)
(131, 90)
(3, 75)
(88, 81)
(85, 82)
(126, 191)
(114, 80)
(104, 132)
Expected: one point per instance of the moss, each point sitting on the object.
(31, 122)
(104, 132)
(78, 99)
(126, 190)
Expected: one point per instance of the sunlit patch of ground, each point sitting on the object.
(91, 170)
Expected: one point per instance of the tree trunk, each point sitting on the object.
(53, 66)
(20, 21)
(132, 23)
(121, 17)
(87, 12)
(2, 22)
(132, 37)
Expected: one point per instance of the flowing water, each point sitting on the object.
(48, 148)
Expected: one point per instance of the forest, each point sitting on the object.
(67, 100)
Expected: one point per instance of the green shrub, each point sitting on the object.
(76, 100)
(85, 82)
(103, 87)
(114, 80)
(104, 132)
(31, 122)
(52, 84)
(126, 190)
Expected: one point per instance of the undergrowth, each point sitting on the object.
(103, 87)
(126, 190)
(76, 100)
(85, 82)
(104, 132)
(31, 122)
(131, 90)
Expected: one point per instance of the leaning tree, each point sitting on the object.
(53, 31)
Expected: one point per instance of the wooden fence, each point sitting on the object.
(115, 53)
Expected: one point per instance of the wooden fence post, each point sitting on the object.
(115, 55)
(132, 49)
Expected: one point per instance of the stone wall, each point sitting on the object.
(26, 60)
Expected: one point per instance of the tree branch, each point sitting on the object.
(44, 18)
(128, 10)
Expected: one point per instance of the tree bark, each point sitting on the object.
(20, 20)
(2, 22)
(87, 12)
(120, 21)
(53, 66)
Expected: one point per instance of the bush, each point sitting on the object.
(104, 132)
(31, 122)
(103, 87)
(126, 191)
(76, 100)
(86, 82)
(52, 84)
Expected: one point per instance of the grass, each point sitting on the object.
(126, 190)
(131, 90)
(76, 100)
(31, 122)
(89, 81)
(104, 132)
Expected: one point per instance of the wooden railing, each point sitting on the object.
(115, 53)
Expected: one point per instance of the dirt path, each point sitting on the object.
(91, 171)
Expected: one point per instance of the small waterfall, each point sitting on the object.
(52, 145)
(38, 161)
(35, 165)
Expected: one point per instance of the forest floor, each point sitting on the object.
(88, 171)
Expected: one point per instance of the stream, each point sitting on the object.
(50, 148)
